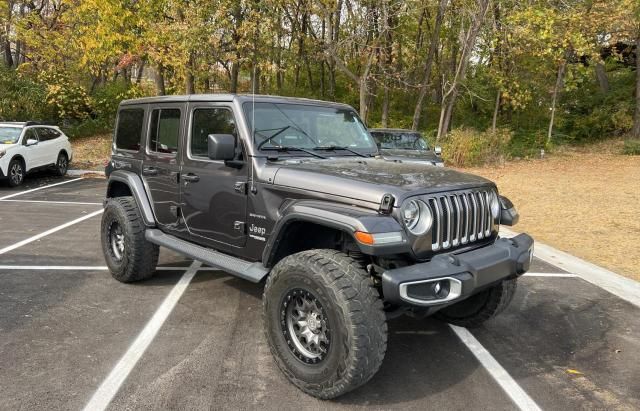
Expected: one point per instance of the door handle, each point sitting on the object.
(191, 178)
(149, 171)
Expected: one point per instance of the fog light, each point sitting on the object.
(427, 292)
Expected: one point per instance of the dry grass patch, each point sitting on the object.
(579, 201)
(91, 153)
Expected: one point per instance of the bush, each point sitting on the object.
(631, 147)
(21, 98)
(465, 147)
(67, 99)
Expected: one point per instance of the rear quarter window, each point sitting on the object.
(129, 129)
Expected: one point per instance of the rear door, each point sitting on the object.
(48, 144)
(213, 196)
(160, 168)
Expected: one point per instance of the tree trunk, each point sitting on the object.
(601, 75)
(496, 109)
(159, 78)
(428, 64)
(635, 132)
(8, 57)
(140, 71)
(385, 106)
(554, 99)
(233, 80)
(190, 81)
(449, 98)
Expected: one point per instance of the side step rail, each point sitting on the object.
(253, 272)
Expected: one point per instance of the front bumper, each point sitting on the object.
(458, 276)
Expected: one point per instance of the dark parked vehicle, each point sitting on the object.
(405, 145)
(293, 192)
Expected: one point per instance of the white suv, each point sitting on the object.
(26, 147)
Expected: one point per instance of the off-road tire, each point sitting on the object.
(480, 307)
(62, 164)
(139, 258)
(18, 164)
(354, 312)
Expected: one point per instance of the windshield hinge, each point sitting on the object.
(386, 204)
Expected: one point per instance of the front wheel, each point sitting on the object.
(324, 322)
(16, 172)
(480, 307)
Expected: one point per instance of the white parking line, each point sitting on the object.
(565, 275)
(499, 374)
(51, 231)
(51, 202)
(620, 286)
(110, 386)
(39, 188)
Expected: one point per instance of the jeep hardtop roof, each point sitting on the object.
(220, 97)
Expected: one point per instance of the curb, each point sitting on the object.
(75, 173)
(623, 287)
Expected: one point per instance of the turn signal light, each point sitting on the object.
(379, 238)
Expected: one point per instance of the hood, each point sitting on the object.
(5, 147)
(368, 179)
(410, 155)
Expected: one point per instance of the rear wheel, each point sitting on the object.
(480, 307)
(62, 164)
(128, 254)
(16, 172)
(324, 322)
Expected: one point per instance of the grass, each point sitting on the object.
(91, 153)
(584, 201)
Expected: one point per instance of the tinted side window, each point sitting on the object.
(30, 134)
(47, 134)
(129, 129)
(209, 121)
(164, 130)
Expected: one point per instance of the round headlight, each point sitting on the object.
(417, 217)
(494, 204)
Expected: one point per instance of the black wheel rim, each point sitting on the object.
(16, 173)
(115, 236)
(62, 164)
(305, 326)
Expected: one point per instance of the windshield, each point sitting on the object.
(308, 127)
(9, 135)
(399, 140)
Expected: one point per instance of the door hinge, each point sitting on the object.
(240, 187)
(238, 225)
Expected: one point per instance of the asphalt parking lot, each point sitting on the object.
(71, 336)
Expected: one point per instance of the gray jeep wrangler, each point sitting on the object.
(293, 192)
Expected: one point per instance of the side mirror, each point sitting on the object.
(222, 147)
(508, 214)
(437, 150)
(31, 142)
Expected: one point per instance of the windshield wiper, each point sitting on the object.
(271, 137)
(289, 148)
(334, 148)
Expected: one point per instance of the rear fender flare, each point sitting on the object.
(137, 188)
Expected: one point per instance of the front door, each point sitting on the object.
(35, 154)
(214, 199)
(160, 168)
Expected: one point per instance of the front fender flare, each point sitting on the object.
(348, 219)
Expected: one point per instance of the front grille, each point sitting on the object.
(460, 218)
